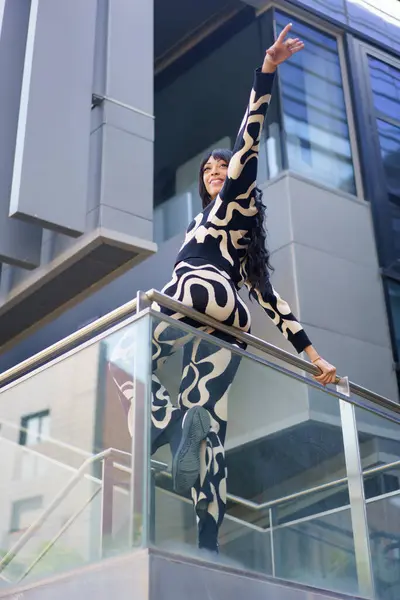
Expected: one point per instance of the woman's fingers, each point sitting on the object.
(328, 372)
(297, 47)
(284, 32)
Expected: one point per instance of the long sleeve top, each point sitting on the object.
(219, 233)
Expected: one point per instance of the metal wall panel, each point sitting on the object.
(19, 242)
(52, 152)
(123, 124)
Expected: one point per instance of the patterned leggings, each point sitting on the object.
(208, 372)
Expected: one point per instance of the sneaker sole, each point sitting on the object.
(186, 463)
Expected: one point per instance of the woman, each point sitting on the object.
(224, 249)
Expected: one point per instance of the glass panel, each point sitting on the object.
(319, 552)
(394, 299)
(88, 410)
(315, 118)
(385, 84)
(79, 545)
(174, 215)
(23, 500)
(384, 531)
(380, 456)
(389, 139)
(94, 396)
(283, 438)
(379, 447)
(212, 116)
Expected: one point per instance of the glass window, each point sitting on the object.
(200, 108)
(389, 138)
(315, 119)
(385, 84)
(394, 299)
(34, 428)
(24, 512)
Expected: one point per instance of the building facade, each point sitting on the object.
(328, 164)
(109, 107)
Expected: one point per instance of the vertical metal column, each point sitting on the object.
(271, 533)
(357, 499)
(140, 427)
(107, 500)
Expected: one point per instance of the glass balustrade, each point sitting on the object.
(287, 491)
(64, 501)
(300, 460)
(380, 456)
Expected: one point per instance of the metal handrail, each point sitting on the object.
(20, 543)
(129, 308)
(259, 344)
(163, 468)
(68, 343)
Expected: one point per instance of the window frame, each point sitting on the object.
(16, 505)
(23, 434)
(358, 52)
(339, 34)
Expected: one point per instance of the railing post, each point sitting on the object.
(140, 429)
(357, 499)
(142, 301)
(107, 500)
(271, 513)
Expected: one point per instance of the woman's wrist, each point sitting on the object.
(312, 353)
(268, 66)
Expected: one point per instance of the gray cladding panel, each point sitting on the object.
(127, 173)
(52, 154)
(19, 242)
(130, 58)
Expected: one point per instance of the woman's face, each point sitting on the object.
(214, 175)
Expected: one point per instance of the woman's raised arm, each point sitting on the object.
(242, 170)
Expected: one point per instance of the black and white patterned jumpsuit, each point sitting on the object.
(210, 269)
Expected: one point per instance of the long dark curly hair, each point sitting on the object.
(258, 256)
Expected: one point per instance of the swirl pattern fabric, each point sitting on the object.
(210, 269)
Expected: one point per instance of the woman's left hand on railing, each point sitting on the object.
(328, 371)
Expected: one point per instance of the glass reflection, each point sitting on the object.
(331, 8)
(384, 531)
(379, 21)
(376, 22)
(315, 119)
(389, 139)
(385, 84)
(394, 298)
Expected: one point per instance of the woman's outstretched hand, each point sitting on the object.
(281, 50)
(328, 372)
